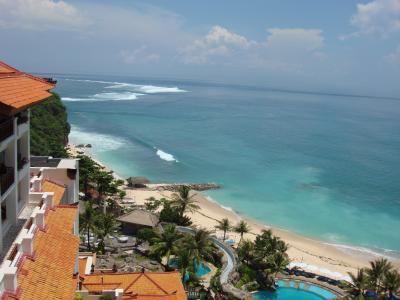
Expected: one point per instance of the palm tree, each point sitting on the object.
(199, 245)
(377, 272)
(242, 227)
(183, 201)
(360, 283)
(105, 224)
(279, 262)
(185, 262)
(245, 251)
(166, 242)
(87, 169)
(391, 282)
(224, 225)
(87, 221)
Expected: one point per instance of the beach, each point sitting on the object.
(309, 254)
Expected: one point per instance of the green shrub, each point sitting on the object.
(215, 283)
(145, 234)
(49, 128)
(247, 275)
(171, 215)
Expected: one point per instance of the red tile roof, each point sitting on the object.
(49, 274)
(147, 285)
(19, 90)
(57, 189)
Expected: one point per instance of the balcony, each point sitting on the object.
(6, 129)
(6, 178)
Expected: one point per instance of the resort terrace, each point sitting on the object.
(41, 263)
(54, 185)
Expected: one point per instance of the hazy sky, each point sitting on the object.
(341, 45)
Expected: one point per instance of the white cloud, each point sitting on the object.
(284, 49)
(378, 17)
(40, 15)
(221, 35)
(394, 57)
(218, 42)
(140, 55)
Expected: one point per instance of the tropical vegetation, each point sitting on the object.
(261, 260)
(380, 281)
(224, 225)
(242, 227)
(184, 202)
(49, 128)
(97, 183)
(94, 223)
(185, 248)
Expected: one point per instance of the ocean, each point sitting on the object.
(324, 166)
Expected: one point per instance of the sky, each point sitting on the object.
(342, 46)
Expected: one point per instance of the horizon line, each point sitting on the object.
(222, 83)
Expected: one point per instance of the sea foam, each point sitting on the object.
(166, 156)
(146, 89)
(100, 142)
(358, 250)
(117, 96)
(106, 97)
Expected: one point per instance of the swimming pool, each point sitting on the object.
(291, 290)
(201, 269)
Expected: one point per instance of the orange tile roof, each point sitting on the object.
(148, 285)
(82, 265)
(19, 90)
(49, 275)
(6, 69)
(57, 189)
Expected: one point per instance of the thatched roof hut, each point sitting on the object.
(136, 220)
(137, 182)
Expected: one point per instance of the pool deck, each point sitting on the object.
(334, 289)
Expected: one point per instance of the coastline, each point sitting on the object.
(310, 254)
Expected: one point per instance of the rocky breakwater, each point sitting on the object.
(174, 187)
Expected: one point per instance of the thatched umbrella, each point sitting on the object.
(138, 181)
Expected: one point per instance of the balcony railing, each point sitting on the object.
(6, 129)
(6, 178)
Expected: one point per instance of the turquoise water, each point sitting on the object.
(286, 293)
(201, 269)
(324, 166)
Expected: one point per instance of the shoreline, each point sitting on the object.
(311, 254)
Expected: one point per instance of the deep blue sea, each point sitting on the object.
(325, 166)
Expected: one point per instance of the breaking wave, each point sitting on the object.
(146, 89)
(166, 156)
(100, 142)
(371, 253)
(106, 97)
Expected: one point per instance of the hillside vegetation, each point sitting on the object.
(49, 128)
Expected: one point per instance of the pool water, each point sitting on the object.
(290, 292)
(201, 269)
